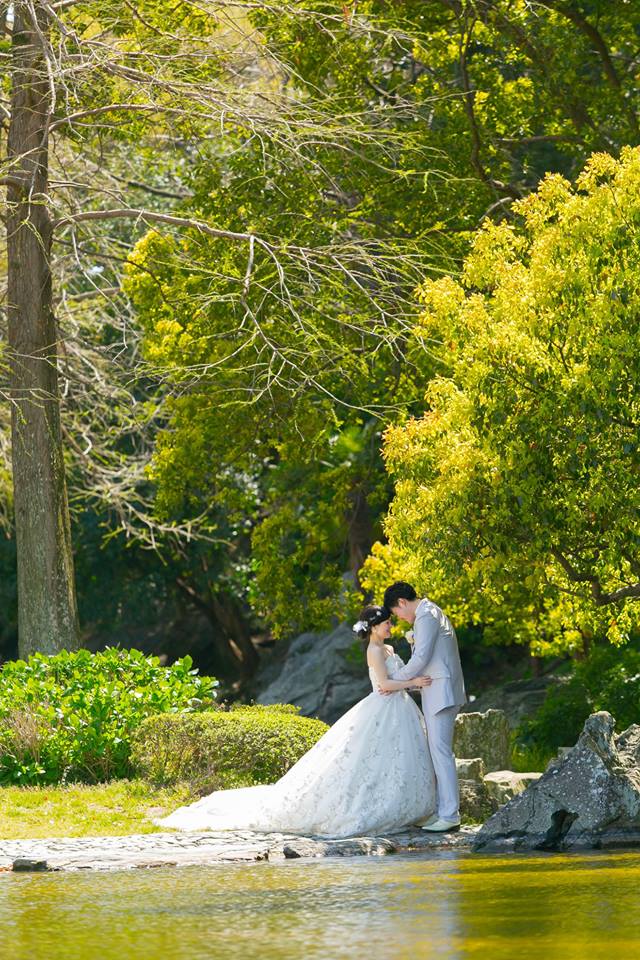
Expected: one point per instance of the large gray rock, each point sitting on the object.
(319, 676)
(588, 798)
(483, 735)
(628, 746)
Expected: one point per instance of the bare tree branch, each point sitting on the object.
(600, 596)
(153, 216)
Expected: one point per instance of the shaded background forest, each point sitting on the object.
(224, 404)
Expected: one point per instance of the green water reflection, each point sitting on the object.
(564, 907)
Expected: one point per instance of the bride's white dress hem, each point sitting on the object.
(370, 773)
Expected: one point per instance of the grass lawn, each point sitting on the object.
(106, 809)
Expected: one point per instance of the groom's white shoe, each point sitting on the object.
(440, 826)
(427, 820)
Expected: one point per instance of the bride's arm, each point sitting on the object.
(376, 660)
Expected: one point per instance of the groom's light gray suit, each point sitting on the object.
(435, 654)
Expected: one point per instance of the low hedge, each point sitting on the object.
(70, 717)
(221, 749)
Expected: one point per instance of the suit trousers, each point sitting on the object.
(440, 728)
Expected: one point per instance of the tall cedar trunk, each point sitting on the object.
(47, 610)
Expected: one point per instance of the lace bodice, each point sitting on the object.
(393, 662)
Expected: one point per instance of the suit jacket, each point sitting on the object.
(435, 654)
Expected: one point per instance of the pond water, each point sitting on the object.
(411, 906)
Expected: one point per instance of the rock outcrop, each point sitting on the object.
(476, 803)
(482, 794)
(504, 785)
(318, 675)
(470, 769)
(484, 735)
(588, 798)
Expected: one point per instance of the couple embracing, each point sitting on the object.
(382, 766)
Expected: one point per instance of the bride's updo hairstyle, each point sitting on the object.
(370, 617)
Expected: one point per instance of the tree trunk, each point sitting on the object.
(229, 615)
(359, 530)
(47, 610)
(235, 655)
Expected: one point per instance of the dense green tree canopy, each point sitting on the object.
(278, 179)
(517, 500)
(124, 95)
(286, 354)
(502, 92)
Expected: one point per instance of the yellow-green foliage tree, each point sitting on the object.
(517, 498)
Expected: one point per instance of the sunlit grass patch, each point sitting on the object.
(108, 809)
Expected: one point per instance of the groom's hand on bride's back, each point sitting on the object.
(416, 684)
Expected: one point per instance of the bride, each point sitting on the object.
(371, 772)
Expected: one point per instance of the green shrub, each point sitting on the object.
(530, 758)
(219, 749)
(70, 717)
(609, 679)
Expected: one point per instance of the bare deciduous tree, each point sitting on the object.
(90, 82)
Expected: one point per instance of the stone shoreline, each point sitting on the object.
(191, 849)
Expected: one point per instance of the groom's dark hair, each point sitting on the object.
(398, 591)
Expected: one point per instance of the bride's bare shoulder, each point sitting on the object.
(374, 653)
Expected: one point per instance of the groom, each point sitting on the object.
(435, 654)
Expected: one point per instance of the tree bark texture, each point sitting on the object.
(47, 608)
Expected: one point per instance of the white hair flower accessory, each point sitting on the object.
(360, 625)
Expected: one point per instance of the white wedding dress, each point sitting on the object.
(370, 773)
